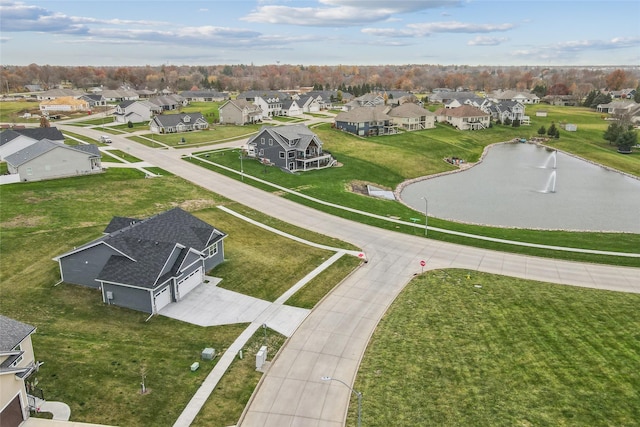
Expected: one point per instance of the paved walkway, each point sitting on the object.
(333, 338)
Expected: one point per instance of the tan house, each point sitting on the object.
(465, 117)
(66, 103)
(239, 112)
(410, 117)
(17, 363)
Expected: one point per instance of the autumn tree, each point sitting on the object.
(616, 80)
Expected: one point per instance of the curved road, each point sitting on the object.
(332, 340)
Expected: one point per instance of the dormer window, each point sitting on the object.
(186, 119)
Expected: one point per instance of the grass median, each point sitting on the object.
(466, 348)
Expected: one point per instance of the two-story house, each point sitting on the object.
(270, 102)
(17, 363)
(366, 121)
(239, 112)
(292, 148)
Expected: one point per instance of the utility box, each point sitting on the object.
(261, 357)
(194, 366)
(208, 353)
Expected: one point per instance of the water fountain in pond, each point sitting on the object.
(551, 183)
(552, 160)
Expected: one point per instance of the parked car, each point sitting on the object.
(105, 139)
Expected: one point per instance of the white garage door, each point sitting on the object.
(187, 284)
(163, 298)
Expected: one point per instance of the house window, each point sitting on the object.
(291, 154)
(29, 171)
(270, 142)
(261, 152)
(19, 359)
(213, 249)
(261, 141)
(282, 154)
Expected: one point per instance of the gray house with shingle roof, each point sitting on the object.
(183, 122)
(145, 264)
(366, 121)
(292, 148)
(47, 159)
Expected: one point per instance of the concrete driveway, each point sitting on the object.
(210, 305)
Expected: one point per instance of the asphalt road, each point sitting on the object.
(332, 340)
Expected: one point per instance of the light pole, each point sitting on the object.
(264, 327)
(241, 167)
(426, 214)
(357, 393)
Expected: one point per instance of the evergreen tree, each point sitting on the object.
(515, 123)
(589, 99)
(613, 132)
(601, 98)
(542, 130)
(552, 130)
(557, 134)
(626, 140)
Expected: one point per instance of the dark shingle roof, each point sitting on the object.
(13, 332)
(172, 120)
(148, 245)
(38, 134)
(409, 109)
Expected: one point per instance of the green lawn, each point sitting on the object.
(125, 156)
(470, 349)
(216, 134)
(94, 353)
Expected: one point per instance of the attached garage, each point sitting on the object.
(11, 415)
(162, 298)
(189, 283)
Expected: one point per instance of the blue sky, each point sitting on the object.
(321, 32)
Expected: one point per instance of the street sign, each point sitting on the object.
(423, 263)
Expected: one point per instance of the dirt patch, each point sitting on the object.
(196, 204)
(23, 221)
(360, 187)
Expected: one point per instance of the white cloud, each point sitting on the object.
(575, 47)
(428, 28)
(486, 41)
(341, 12)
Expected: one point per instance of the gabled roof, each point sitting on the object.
(264, 94)
(13, 333)
(364, 114)
(283, 134)
(465, 111)
(409, 109)
(38, 148)
(204, 93)
(172, 120)
(52, 133)
(147, 245)
(241, 104)
(125, 104)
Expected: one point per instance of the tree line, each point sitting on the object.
(575, 81)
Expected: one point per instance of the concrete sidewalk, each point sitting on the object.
(209, 305)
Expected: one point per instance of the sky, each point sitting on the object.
(320, 32)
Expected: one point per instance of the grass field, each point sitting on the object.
(94, 353)
(470, 349)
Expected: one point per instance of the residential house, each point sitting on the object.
(465, 117)
(366, 121)
(410, 117)
(327, 98)
(14, 140)
(627, 93)
(65, 103)
(135, 111)
(269, 101)
(146, 93)
(292, 148)
(515, 96)
(239, 112)
(58, 93)
(17, 363)
(206, 95)
(445, 96)
(120, 95)
(169, 102)
(366, 100)
(47, 159)
(34, 88)
(509, 111)
(290, 107)
(474, 101)
(183, 122)
(617, 107)
(146, 264)
(309, 104)
(94, 100)
(561, 100)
